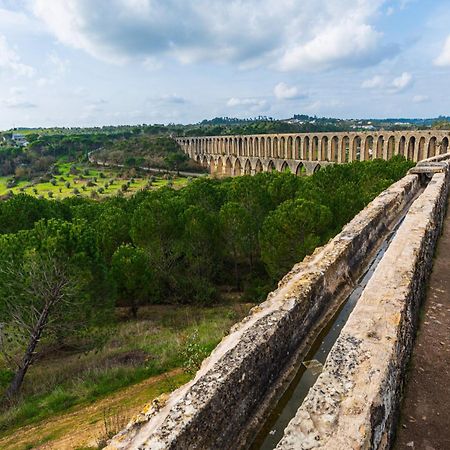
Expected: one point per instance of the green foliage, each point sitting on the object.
(156, 152)
(193, 354)
(291, 232)
(132, 275)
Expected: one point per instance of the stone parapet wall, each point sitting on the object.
(354, 403)
(215, 409)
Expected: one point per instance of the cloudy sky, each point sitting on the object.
(94, 62)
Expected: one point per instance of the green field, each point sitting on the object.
(106, 182)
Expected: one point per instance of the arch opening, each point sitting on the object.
(228, 167)
(444, 146)
(411, 148)
(334, 149)
(356, 149)
(258, 166)
(247, 168)
(237, 171)
(285, 168)
(315, 149)
(301, 170)
(270, 166)
(401, 146)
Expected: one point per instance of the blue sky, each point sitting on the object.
(98, 62)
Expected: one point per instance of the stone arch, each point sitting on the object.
(421, 149)
(411, 148)
(258, 166)
(198, 160)
(402, 146)
(334, 155)
(300, 171)
(239, 147)
(390, 147)
(444, 146)
(275, 148)
(237, 169)
(270, 166)
(219, 166)
(315, 149)
(261, 148)
(297, 148)
(324, 149)
(282, 148)
(290, 148)
(306, 148)
(432, 147)
(251, 150)
(245, 147)
(228, 167)
(355, 154)
(247, 168)
(285, 167)
(205, 161)
(345, 150)
(317, 168)
(268, 148)
(380, 147)
(368, 149)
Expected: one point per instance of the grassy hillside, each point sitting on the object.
(87, 181)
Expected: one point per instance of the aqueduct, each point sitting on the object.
(306, 153)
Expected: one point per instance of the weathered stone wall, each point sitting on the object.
(215, 409)
(354, 403)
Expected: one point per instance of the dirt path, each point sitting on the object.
(425, 413)
(82, 427)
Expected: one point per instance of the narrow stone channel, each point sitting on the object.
(310, 367)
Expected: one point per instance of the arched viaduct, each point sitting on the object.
(306, 153)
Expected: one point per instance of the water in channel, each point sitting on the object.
(309, 370)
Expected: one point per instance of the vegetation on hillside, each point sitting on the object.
(147, 151)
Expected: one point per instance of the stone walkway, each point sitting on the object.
(425, 414)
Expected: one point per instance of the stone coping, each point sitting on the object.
(354, 403)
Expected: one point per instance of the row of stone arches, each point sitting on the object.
(232, 166)
(339, 148)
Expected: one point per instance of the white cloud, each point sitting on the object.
(285, 34)
(420, 98)
(10, 61)
(444, 57)
(398, 84)
(284, 92)
(376, 81)
(248, 104)
(402, 82)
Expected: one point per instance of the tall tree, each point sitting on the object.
(51, 289)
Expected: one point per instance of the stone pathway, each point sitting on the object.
(425, 413)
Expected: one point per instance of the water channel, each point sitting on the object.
(310, 367)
